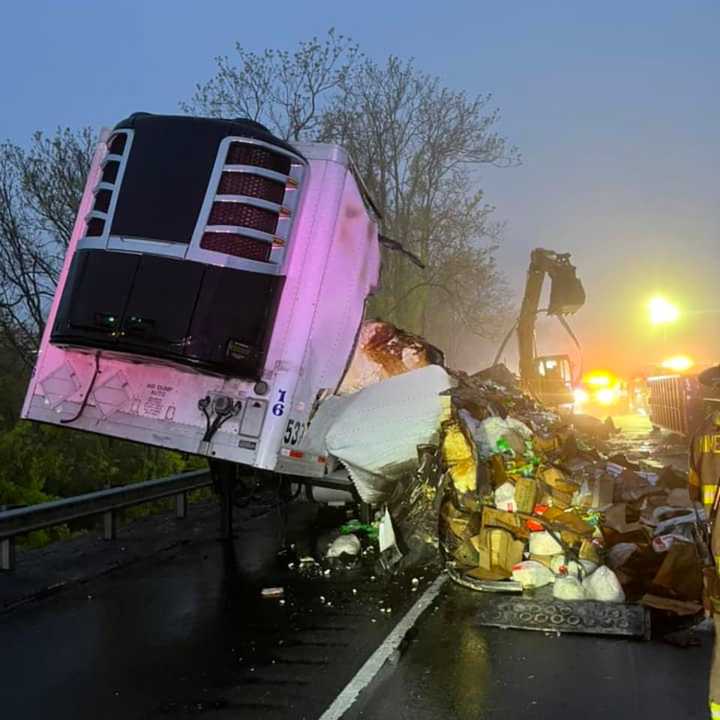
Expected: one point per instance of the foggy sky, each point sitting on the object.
(614, 106)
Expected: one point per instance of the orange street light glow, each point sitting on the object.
(662, 311)
(678, 363)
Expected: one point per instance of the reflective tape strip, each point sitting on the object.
(714, 710)
(709, 494)
(717, 563)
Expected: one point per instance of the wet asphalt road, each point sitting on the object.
(454, 670)
(184, 633)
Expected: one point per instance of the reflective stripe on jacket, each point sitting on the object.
(705, 461)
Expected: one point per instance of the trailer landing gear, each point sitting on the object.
(225, 477)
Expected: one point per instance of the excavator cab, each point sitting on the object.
(553, 380)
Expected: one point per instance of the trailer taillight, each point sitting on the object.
(257, 186)
(258, 156)
(242, 215)
(254, 201)
(236, 245)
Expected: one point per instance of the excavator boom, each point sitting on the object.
(544, 377)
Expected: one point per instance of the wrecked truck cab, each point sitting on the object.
(212, 290)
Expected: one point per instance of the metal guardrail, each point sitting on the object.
(103, 502)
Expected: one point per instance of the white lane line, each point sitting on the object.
(344, 701)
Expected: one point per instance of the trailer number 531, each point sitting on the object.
(294, 432)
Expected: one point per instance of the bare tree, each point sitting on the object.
(468, 304)
(419, 146)
(40, 191)
(286, 91)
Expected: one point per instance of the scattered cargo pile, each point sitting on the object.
(518, 498)
(532, 502)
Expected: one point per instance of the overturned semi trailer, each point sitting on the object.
(212, 291)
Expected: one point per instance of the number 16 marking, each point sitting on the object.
(278, 408)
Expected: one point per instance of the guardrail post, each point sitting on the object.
(7, 554)
(181, 505)
(109, 525)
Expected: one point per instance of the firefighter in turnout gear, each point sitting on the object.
(704, 481)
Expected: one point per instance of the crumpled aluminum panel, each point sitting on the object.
(549, 615)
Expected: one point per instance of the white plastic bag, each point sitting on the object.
(390, 553)
(487, 433)
(662, 543)
(543, 543)
(532, 574)
(574, 569)
(568, 588)
(604, 586)
(345, 544)
(519, 427)
(505, 497)
(560, 566)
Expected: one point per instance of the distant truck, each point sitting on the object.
(673, 395)
(212, 292)
(679, 402)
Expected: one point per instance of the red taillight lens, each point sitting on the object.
(242, 154)
(236, 245)
(257, 218)
(233, 183)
